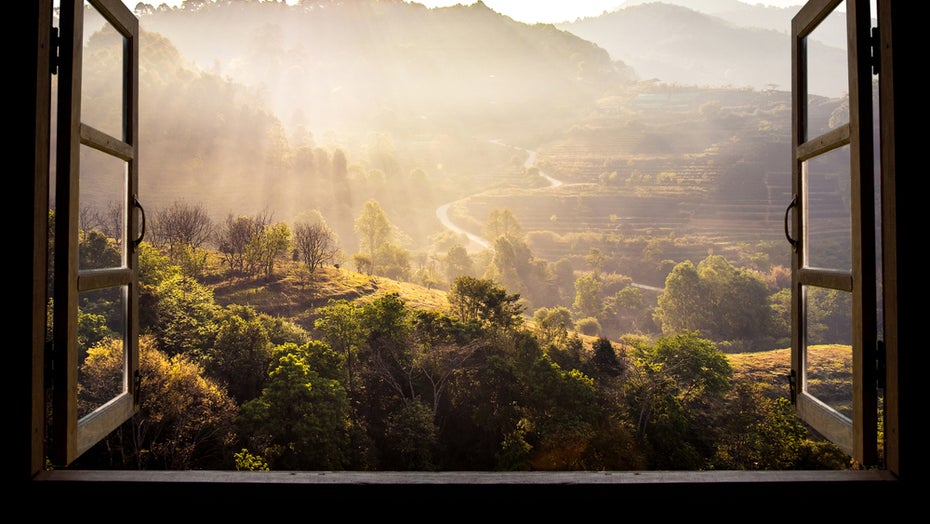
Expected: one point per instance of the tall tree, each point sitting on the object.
(302, 416)
(373, 227)
(502, 222)
(240, 356)
(458, 262)
(340, 323)
(673, 389)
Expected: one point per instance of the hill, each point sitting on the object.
(356, 67)
(678, 44)
(292, 293)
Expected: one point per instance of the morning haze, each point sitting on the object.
(591, 169)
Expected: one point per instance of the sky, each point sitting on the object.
(528, 11)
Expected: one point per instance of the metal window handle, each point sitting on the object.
(135, 203)
(793, 242)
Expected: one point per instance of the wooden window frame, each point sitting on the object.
(73, 433)
(877, 489)
(856, 435)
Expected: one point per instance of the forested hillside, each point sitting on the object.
(334, 370)
(381, 236)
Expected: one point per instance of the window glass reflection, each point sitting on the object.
(102, 333)
(828, 347)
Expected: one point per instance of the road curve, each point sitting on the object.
(475, 242)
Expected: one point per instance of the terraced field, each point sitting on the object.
(713, 166)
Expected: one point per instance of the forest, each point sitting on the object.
(617, 272)
(377, 374)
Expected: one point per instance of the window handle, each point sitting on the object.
(135, 203)
(793, 242)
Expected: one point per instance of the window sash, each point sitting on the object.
(857, 435)
(72, 434)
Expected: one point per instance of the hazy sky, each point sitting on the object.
(529, 11)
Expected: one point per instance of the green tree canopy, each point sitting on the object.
(301, 420)
(483, 300)
(716, 298)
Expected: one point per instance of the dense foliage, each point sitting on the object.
(381, 385)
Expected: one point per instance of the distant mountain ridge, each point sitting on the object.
(371, 62)
(678, 44)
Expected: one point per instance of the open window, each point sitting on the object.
(95, 259)
(834, 306)
(855, 425)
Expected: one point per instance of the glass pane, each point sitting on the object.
(828, 347)
(827, 75)
(102, 201)
(102, 333)
(102, 78)
(827, 211)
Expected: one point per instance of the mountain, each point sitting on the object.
(678, 44)
(831, 32)
(261, 107)
(352, 67)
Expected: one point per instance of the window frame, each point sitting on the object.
(856, 435)
(72, 433)
(904, 463)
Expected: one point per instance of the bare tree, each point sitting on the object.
(182, 224)
(111, 221)
(234, 236)
(315, 244)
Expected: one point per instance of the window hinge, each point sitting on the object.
(53, 51)
(875, 48)
(793, 386)
(880, 365)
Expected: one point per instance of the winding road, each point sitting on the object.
(476, 243)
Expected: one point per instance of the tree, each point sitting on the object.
(720, 300)
(315, 244)
(739, 299)
(625, 310)
(185, 316)
(553, 323)
(588, 301)
(301, 420)
(441, 347)
(374, 228)
(682, 305)
(340, 323)
(761, 432)
(393, 261)
(266, 246)
(235, 240)
(502, 222)
(98, 251)
(363, 263)
(673, 389)
(240, 355)
(596, 259)
(484, 301)
(605, 359)
(410, 438)
(458, 262)
(181, 224)
(185, 421)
